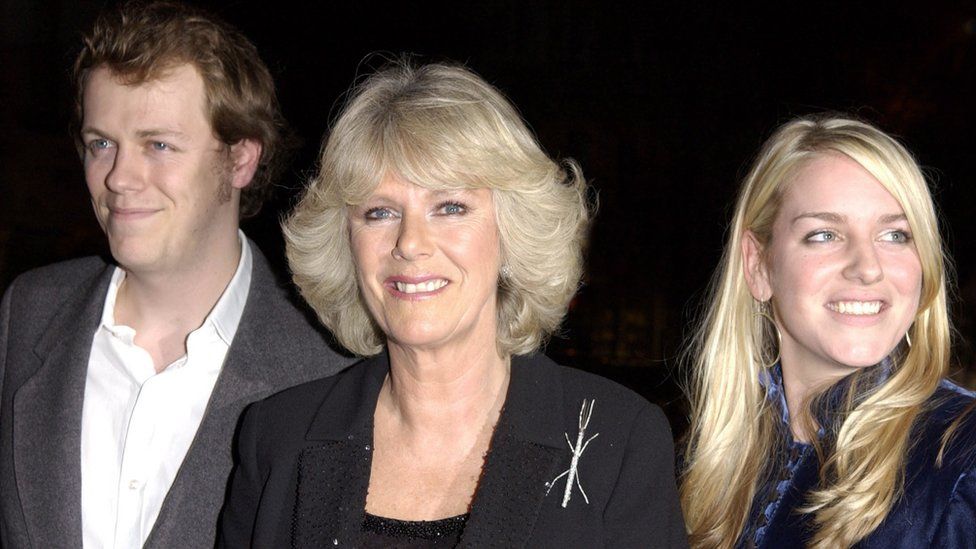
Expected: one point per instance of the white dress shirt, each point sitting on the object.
(136, 424)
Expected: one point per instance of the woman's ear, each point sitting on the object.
(754, 267)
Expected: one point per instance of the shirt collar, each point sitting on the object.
(771, 379)
(224, 317)
(226, 314)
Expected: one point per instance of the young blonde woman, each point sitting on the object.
(821, 412)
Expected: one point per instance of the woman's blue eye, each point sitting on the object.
(378, 213)
(821, 236)
(453, 208)
(899, 237)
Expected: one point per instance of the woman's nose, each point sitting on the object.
(413, 241)
(863, 263)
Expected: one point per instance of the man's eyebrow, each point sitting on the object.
(825, 216)
(160, 132)
(142, 134)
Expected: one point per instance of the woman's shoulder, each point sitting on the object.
(949, 424)
(569, 388)
(290, 412)
(939, 494)
(312, 392)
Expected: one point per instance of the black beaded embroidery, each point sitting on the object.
(407, 533)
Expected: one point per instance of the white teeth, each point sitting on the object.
(428, 286)
(855, 307)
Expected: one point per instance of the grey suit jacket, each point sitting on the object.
(48, 318)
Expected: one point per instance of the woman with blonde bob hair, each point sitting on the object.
(439, 241)
(821, 416)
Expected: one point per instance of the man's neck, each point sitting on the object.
(164, 307)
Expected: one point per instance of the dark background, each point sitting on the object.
(663, 104)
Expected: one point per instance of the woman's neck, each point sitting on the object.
(803, 376)
(444, 391)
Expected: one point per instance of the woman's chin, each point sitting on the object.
(860, 355)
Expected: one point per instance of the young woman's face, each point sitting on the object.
(841, 269)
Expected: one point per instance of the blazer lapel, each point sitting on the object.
(525, 453)
(47, 421)
(247, 375)
(333, 471)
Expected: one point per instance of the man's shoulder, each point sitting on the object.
(279, 334)
(63, 275)
(49, 287)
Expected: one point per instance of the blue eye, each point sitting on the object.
(452, 208)
(378, 213)
(159, 146)
(821, 236)
(898, 237)
(97, 145)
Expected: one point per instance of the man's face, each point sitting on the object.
(162, 185)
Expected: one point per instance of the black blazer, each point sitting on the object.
(305, 462)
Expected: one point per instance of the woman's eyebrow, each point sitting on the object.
(824, 216)
(893, 218)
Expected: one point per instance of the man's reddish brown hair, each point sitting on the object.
(140, 41)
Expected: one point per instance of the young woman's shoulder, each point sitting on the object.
(945, 467)
(949, 425)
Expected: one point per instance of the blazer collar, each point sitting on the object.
(525, 455)
(333, 469)
(525, 452)
(534, 404)
(347, 410)
(256, 342)
(531, 412)
(47, 419)
(255, 366)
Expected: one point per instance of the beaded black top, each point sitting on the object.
(409, 534)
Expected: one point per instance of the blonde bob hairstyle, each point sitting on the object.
(733, 427)
(442, 127)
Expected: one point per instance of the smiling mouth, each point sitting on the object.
(429, 286)
(856, 308)
(131, 213)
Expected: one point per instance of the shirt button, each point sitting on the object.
(133, 485)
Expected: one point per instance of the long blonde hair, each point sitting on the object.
(733, 427)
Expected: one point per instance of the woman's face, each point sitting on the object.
(841, 269)
(428, 263)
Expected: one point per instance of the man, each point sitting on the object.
(121, 385)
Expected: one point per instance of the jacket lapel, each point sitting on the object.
(248, 374)
(525, 453)
(523, 459)
(47, 421)
(333, 471)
